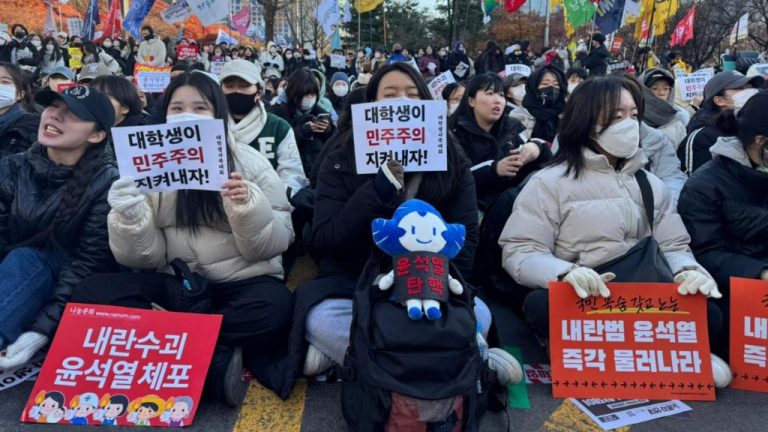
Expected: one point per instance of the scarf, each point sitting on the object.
(657, 112)
(547, 116)
(248, 129)
(8, 119)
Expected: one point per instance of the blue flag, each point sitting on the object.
(91, 19)
(135, 16)
(608, 18)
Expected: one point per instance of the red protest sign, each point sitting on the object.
(749, 334)
(112, 365)
(184, 52)
(645, 341)
(616, 44)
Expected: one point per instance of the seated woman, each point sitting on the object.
(18, 124)
(661, 112)
(545, 94)
(233, 239)
(125, 100)
(345, 205)
(496, 144)
(724, 204)
(586, 209)
(53, 229)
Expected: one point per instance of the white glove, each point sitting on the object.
(21, 351)
(431, 67)
(587, 282)
(125, 198)
(455, 286)
(694, 281)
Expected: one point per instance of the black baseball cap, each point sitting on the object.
(728, 81)
(86, 103)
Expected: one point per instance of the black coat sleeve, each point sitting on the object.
(462, 209)
(91, 254)
(701, 213)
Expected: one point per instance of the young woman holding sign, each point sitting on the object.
(345, 205)
(232, 239)
(588, 209)
(53, 218)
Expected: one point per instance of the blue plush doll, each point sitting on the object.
(421, 244)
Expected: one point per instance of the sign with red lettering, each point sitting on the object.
(112, 366)
(749, 334)
(616, 44)
(421, 275)
(186, 52)
(173, 156)
(645, 341)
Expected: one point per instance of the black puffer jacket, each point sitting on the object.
(597, 61)
(725, 207)
(485, 149)
(19, 136)
(310, 143)
(30, 192)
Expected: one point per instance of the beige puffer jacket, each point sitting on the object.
(259, 230)
(559, 222)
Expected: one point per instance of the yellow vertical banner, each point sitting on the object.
(363, 6)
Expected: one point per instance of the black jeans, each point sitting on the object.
(536, 313)
(257, 312)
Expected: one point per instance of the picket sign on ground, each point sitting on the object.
(15, 376)
(112, 366)
(615, 413)
(437, 85)
(517, 69)
(413, 132)
(644, 341)
(174, 156)
(150, 79)
(749, 334)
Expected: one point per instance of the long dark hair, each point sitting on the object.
(300, 83)
(23, 83)
(121, 90)
(478, 83)
(592, 104)
(740, 126)
(56, 55)
(436, 187)
(193, 207)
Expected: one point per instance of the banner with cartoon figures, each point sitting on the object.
(116, 366)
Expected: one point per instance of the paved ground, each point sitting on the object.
(315, 406)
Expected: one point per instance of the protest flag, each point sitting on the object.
(114, 21)
(242, 19)
(91, 19)
(135, 16)
(363, 6)
(608, 18)
(513, 6)
(684, 30)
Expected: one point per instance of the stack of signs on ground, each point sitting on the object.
(749, 334)
(114, 366)
(173, 156)
(615, 413)
(413, 132)
(644, 341)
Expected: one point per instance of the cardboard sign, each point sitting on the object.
(184, 52)
(114, 366)
(437, 85)
(75, 58)
(611, 414)
(338, 61)
(150, 79)
(749, 334)
(413, 132)
(174, 156)
(645, 341)
(216, 67)
(517, 69)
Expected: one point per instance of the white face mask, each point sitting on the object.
(621, 139)
(7, 95)
(572, 87)
(308, 102)
(518, 92)
(185, 117)
(341, 90)
(740, 99)
(452, 107)
(37, 43)
(107, 44)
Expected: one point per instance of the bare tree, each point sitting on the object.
(270, 9)
(758, 13)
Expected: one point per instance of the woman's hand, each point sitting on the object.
(319, 126)
(529, 152)
(235, 189)
(694, 281)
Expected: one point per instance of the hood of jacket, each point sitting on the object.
(731, 148)
(668, 75)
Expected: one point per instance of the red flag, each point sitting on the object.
(113, 25)
(644, 31)
(512, 6)
(241, 20)
(684, 30)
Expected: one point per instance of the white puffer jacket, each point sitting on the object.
(559, 222)
(259, 230)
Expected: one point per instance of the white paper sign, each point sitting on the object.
(177, 12)
(75, 26)
(153, 81)
(693, 85)
(615, 413)
(461, 69)
(209, 11)
(175, 156)
(413, 132)
(216, 67)
(517, 69)
(437, 85)
(337, 61)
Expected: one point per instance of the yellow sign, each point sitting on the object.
(75, 58)
(363, 6)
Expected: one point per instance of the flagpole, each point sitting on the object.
(546, 27)
(384, 12)
(592, 32)
(359, 31)
(651, 30)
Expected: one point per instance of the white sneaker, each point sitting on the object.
(316, 362)
(508, 370)
(721, 372)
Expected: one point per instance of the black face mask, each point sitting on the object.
(19, 35)
(549, 95)
(240, 104)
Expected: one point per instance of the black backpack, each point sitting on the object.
(426, 360)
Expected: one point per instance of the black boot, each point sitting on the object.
(225, 376)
